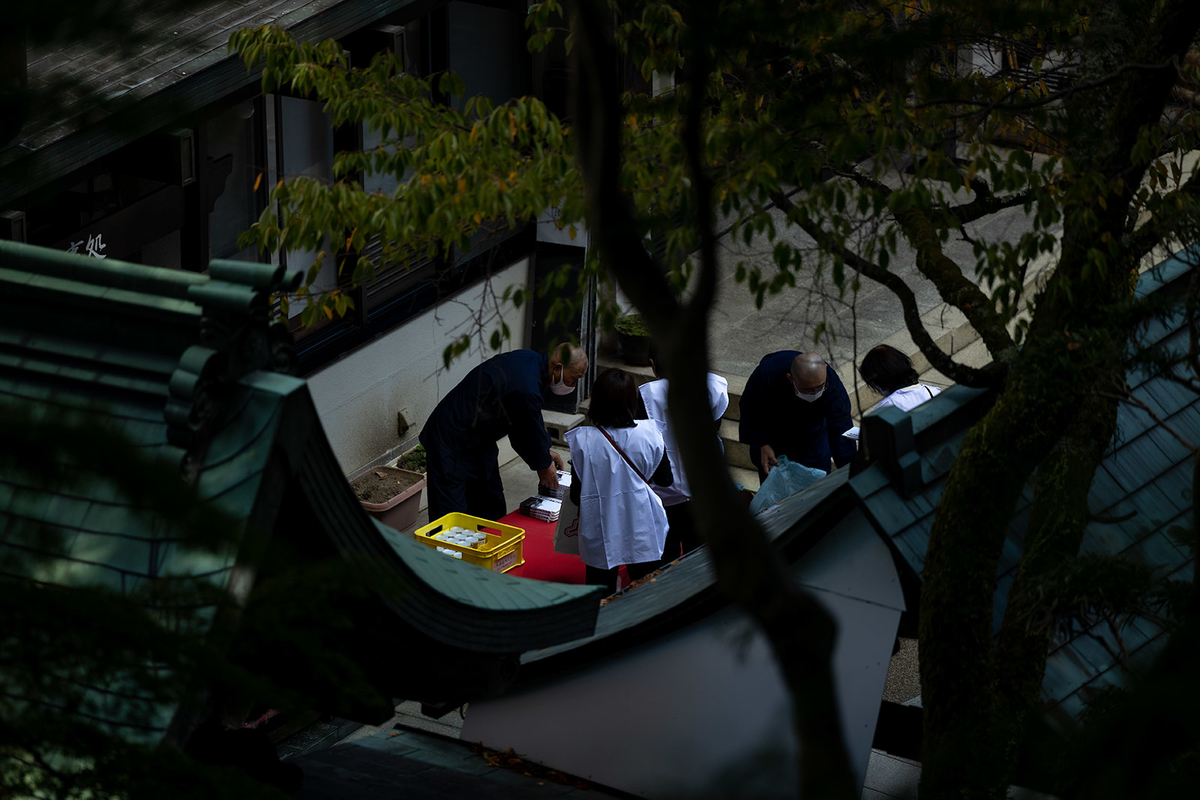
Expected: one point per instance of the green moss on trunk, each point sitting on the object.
(1058, 518)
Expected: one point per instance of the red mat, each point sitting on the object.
(541, 562)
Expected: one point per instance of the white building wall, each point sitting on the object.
(358, 395)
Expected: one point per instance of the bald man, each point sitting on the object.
(501, 397)
(795, 405)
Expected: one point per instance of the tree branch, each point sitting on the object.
(933, 263)
(695, 77)
(981, 205)
(955, 289)
(985, 203)
(1150, 234)
(749, 571)
(943, 363)
(983, 109)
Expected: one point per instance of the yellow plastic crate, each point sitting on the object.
(501, 552)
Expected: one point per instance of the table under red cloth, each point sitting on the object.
(541, 562)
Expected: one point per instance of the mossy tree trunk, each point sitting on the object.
(969, 688)
(1058, 517)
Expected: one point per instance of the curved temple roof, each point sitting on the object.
(182, 365)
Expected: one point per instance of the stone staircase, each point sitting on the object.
(961, 341)
(949, 328)
(737, 454)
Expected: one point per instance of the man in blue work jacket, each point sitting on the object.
(795, 405)
(501, 397)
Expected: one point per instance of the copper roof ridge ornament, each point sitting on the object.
(237, 337)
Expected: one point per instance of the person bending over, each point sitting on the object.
(500, 397)
(890, 373)
(795, 405)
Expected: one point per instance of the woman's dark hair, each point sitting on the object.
(660, 367)
(614, 399)
(885, 369)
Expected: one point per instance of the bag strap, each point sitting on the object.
(930, 391)
(622, 452)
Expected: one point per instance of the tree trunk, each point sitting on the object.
(800, 630)
(960, 746)
(1067, 356)
(1058, 517)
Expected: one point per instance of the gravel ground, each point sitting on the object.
(903, 682)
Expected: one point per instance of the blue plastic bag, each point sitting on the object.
(783, 482)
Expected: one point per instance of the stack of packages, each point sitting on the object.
(564, 485)
(545, 509)
(547, 503)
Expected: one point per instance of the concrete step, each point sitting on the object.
(974, 354)
(748, 478)
(737, 383)
(737, 454)
(614, 361)
(558, 423)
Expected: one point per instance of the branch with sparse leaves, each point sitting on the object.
(959, 373)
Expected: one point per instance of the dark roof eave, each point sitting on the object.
(215, 75)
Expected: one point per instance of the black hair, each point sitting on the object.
(660, 367)
(885, 369)
(614, 399)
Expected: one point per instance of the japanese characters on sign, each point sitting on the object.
(94, 245)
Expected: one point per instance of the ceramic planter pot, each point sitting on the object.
(399, 510)
(635, 350)
(633, 340)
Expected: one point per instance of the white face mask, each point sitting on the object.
(808, 397)
(811, 398)
(559, 386)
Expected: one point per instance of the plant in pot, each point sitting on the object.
(634, 340)
(393, 494)
(413, 460)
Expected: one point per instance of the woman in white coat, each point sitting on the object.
(889, 372)
(682, 535)
(621, 519)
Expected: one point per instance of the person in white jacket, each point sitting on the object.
(682, 536)
(890, 373)
(621, 519)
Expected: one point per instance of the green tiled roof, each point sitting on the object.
(429, 767)
(107, 338)
(1141, 496)
(180, 364)
(454, 603)
(687, 590)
